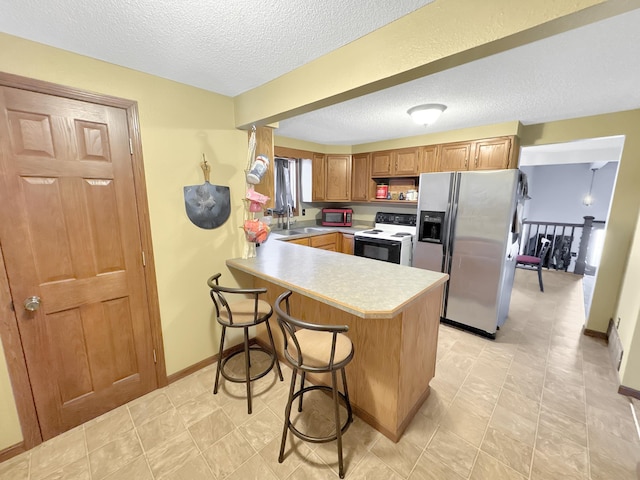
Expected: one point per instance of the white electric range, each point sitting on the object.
(390, 240)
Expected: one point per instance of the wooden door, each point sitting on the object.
(406, 162)
(360, 177)
(338, 178)
(492, 154)
(429, 159)
(381, 164)
(454, 156)
(347, 244)
(318, 174)
(70, 235)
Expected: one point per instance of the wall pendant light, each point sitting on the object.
(426, 114)
(587, 201)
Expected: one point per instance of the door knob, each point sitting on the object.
(32, 303)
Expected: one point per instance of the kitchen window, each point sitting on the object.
(285, 184)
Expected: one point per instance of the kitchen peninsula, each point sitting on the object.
(393, 314)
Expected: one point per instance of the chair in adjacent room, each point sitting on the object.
(316, 349)
(535, 263)
(247, 310)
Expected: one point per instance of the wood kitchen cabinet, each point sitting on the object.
(347, 244)
(454, 156)
(337, 178)
(318, 181)
(300, 241)
(328, 241)
(492, 154)
(428, 159)
(486, 154)
(403, 162)
(361, 182)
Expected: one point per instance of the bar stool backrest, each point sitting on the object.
(291, 326)
(222, 305)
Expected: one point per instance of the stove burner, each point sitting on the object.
(401, 234)
(375, 231)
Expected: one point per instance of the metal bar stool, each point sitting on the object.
(313, 348)
(244, 313)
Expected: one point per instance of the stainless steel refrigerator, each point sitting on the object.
(467, 227)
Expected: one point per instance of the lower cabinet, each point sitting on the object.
(300, 241)
(335, 241)
(347, 244)
(328, 241)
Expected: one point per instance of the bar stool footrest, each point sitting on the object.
(343, 428)
(254, 377)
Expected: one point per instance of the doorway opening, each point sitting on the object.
(571, 186)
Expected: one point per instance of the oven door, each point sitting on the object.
(378, 249)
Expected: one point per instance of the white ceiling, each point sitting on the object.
(232, 47)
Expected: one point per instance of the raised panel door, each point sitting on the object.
(428, 159)
(381, 164)
(318, 174)
(360, 177)
(492, 154)
(347, 244)
(454, 156)
(406, 162)
(327, 241)
(338, 178)
(70, 235)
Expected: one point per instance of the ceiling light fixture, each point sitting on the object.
(426, 114)
(588, 200)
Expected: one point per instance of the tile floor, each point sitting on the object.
(540, 402)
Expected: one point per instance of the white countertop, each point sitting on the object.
(361, 286)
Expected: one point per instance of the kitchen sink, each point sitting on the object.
(300, 231)
(289, 232)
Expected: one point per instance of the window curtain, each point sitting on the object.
(283, 186)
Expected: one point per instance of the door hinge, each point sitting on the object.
(155, 358)
(144, 260)
(131, 146)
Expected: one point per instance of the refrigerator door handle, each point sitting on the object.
(453, 214)
(447, 228)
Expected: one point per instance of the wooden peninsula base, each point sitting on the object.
(394, 359)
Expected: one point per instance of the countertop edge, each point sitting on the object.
(234, 263)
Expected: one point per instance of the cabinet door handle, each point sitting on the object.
(476, 162)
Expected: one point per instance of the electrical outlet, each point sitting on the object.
(304, 211)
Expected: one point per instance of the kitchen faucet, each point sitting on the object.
(289, 215)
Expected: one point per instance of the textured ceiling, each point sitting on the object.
(232, 47)
(227, 47)
(591, 70)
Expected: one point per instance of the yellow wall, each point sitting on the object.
(178, 124)
(629, 314)
(10, 433)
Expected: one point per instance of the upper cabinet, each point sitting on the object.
(318, 178)
(428, 159)
(360, 177)
(492, 154)
(337, 178)
(486, 154)
(454, 156)
(343, 178)
(403, 162)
